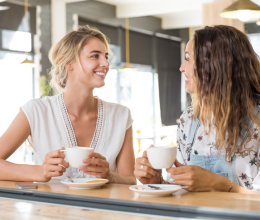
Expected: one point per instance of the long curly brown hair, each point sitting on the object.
(227, 75)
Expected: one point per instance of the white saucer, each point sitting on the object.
(81, 183)
(165, 191)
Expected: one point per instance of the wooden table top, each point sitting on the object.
(122, 192)
(222, 200)
(15, 209)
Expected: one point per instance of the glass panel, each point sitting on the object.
(11, 40)
(109, 91)
(15, 89)
(136, 92)
(255, 41)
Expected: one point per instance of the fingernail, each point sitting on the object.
(84, 161)
(80, 168)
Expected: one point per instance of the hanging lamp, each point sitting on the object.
(128, 67)
(258, 22)
(27, 61)
(2, 8)
(242, 10)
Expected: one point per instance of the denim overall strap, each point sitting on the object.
(193, 130)
(216, 163)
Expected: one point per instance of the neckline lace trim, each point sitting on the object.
(70, 131)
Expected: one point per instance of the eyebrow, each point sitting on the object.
(97, 51)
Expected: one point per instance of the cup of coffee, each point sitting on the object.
(162, 157)
(76, 155)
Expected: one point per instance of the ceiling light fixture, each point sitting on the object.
(2, 8)
(27, 61)
(128, 67)
(242, 10)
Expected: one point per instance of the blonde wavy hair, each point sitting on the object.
(68, 49)
(227, 76)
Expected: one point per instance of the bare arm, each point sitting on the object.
(16, 134)
(126, 161)
(201, 180)
(224, 184)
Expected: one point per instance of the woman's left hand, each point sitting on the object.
(198, 179)
(97, 166)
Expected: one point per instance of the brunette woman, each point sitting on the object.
(218, 136)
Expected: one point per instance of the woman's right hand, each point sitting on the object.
(144, 171)
(52, 166)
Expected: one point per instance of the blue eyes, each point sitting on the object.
(96, 56)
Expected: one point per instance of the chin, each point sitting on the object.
(189, 90)
(99, 85)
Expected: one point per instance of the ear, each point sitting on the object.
(69, 67)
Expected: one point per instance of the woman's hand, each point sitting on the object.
(52, 166)
(198, 179)
(97, 166)
(144, 171)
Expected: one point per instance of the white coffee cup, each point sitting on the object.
(76, 155)
(162, 157)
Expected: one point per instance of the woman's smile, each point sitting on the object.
(186, 79)
(100, 73)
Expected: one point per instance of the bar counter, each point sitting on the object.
(16, 209)
(118, 198)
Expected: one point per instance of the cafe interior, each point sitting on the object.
(147, 39)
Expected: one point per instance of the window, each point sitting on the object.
(255, 41)
(11, 40)
(109, 91)
(16, 88)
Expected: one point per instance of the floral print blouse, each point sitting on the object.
(204, 144)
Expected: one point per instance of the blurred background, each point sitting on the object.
(149, 36)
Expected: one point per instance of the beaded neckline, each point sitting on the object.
(69, 127)
(70, 131)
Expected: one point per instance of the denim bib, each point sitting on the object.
(214, 163)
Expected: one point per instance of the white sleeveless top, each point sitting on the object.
(51, 129)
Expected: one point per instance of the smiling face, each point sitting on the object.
(187, 68)
(94, 63)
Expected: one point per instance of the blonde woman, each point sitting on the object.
(73, 118)
(218, 137)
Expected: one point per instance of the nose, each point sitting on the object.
(182, 67)
(104, 63)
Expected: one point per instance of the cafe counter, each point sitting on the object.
(118, 198)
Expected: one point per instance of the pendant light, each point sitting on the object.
(242, 10)
(258, 22)
(27, 61)
(128, 67)
(2, 8)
